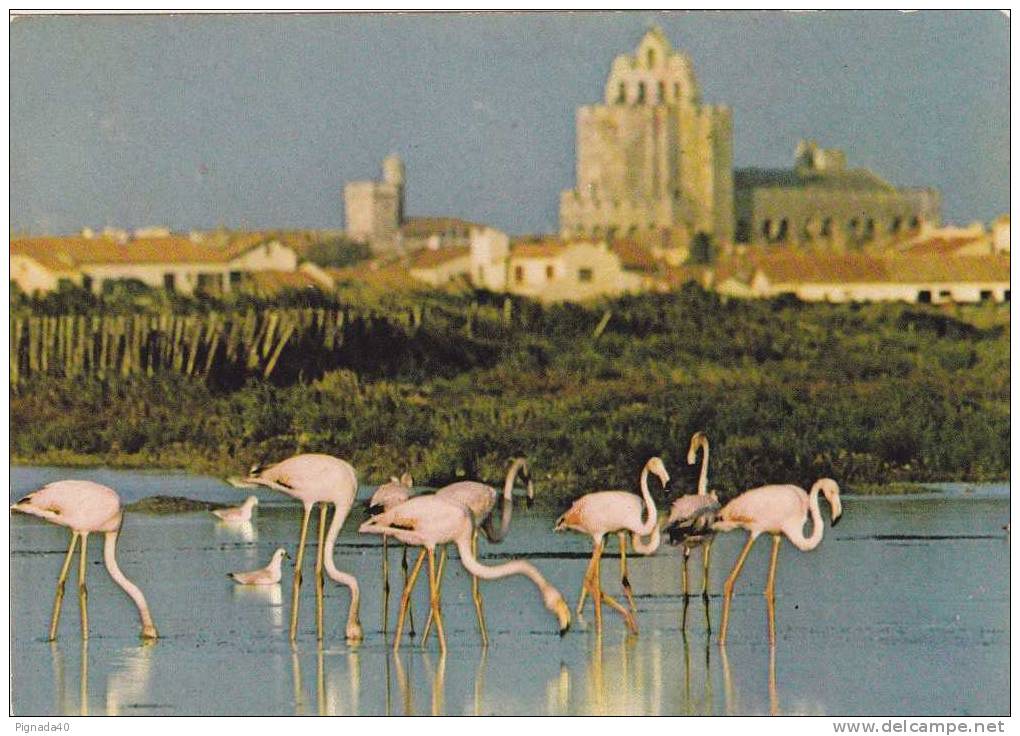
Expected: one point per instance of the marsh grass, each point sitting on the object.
(451, 386)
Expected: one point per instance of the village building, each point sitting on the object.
(374, 210)
(375, 215)
(1000, 234)
(434, 233)
(439, 267)
(174, 263)
(820, 204)
(973, 240)
(546, 269)
(653, 158)
(857, 277)
(270, 284)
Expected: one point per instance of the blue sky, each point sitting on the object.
(257, 121)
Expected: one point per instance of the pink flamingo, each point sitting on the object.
(385, 497)
(480, 499)
(691, 515)
(428, 521)
(606, 512)
(313, 479)
(85, 507)
(777, 510)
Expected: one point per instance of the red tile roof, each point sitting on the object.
(269, 283)
(944, 246)
(786, 268)
(68, 253)
(634, 256)
(423, 227)
(433, 258)
(537, 248)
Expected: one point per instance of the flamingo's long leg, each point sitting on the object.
(83, 593)
(627, 617)
(585, 583)
(58, 601)
(683, 574)
(410, 612)
(706, 551)
(476, 594)
(320, 579)
(728, 586)
(708, 616)
(386, 582)
(596, 587)
(405, 599)
(624, 579)
(295, 591)
(770, 588)
(439, 576)
(434, 598)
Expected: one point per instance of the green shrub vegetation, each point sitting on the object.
(787, 392)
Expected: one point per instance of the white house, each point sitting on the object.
(438, 267)
(865, 278)
(174, 263)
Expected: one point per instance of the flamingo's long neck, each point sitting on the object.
(651, 521)
(493, 572)
(703, 478)
(507, 509)
(340, 512)
(806, 544)
(653, 543)
(110, 558)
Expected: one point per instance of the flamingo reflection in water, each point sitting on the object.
(437, 676)
(329, 698)
(127, 684)
(731, 704)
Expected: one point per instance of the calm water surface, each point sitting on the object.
(903, 609)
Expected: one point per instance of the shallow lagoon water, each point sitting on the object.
(903, 609)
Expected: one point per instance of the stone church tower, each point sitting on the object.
(652, 160)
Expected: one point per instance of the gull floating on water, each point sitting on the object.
(268, 575)
(238, 513)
